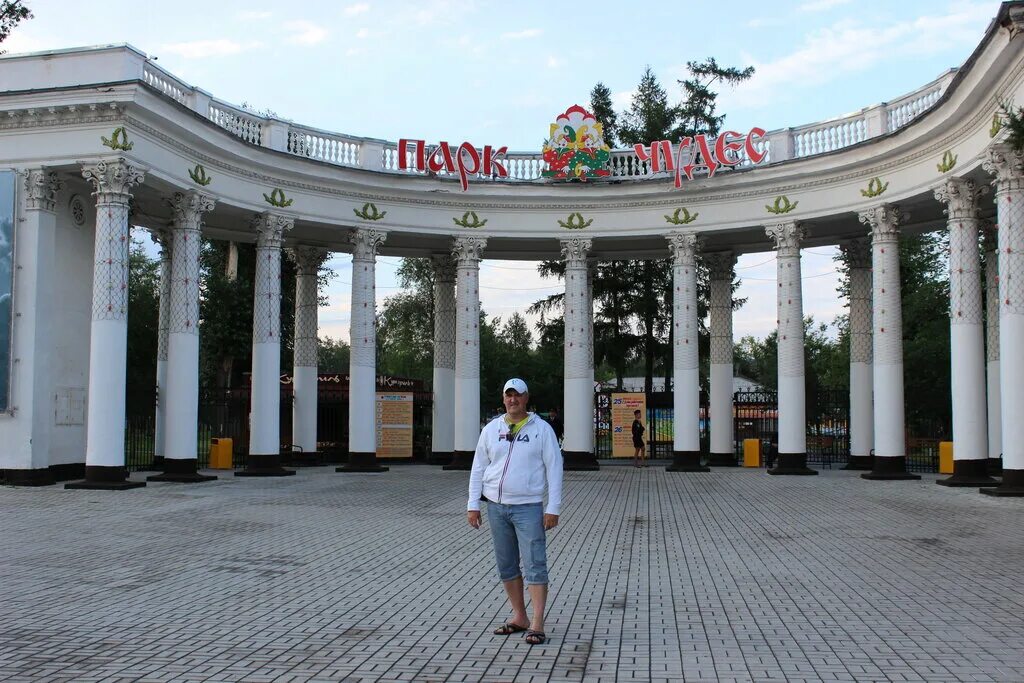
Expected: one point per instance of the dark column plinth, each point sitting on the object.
(461, 460)
(362, 462)
(892, 468)
(723, 460)
(105, 479)
(859, 462)
(1012, 486)
(579, 461)
(158, 463)
(36, 477)
(440, 457)
(995, 466)
(969, 473)
(686, 461)
(68, 471)
(304, 459)
(264, 465)
(792, 464)
(181, 471)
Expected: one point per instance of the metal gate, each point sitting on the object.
(828, 419)
(658, 423)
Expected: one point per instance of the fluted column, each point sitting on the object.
(162, 237)
(890, 461)
(466, 251)
(792, 398)
(1008, 168)
(966, 335)
(442, 440)
(721, 265)
(108, 337)
(578, 442)
(685, 362)
(305, 386)
(181, 397)
(862, 418)
(995, 427)
(265, 414)
(362, 382)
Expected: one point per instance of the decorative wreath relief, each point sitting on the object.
(370, 212)
(782, 205)
(118, 140)
(470, 220)
(875, 188)
(948, 162)
(681, 216)
(277, 198)
(997, 125)
(198, 176)
(575, 222)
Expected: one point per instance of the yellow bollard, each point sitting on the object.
(220, 454)
(751, 452)
(945, 457)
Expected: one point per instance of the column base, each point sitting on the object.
(1012, 486)
(889, 468)
(969, 473)
(580, 461)
(440, 457)
(461, 460)
(304, 458)
(792, 464)
(723, 460)
(362, 462)
(686, 461)
(105, 479)
(264, 465)
(181, 471)
(36, 477)
(858, 462)
(995, 466)
(157, 464)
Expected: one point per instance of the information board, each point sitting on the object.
(623, 406)
(394, 425)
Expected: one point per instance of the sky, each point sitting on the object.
(498, 72)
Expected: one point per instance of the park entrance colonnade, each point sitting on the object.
(147, 149)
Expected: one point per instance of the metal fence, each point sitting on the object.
(658, 423)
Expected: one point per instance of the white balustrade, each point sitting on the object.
(166, 83)
(236, 122)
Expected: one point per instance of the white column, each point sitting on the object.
(307, 262)
(890, 460)
(792, 398)
(685, 364)
(862, 418)
(1008, 168)
(966, 335)
(362, 382)
(588, 327)
(162, 237)
(720, 265)
(995, 427)
(265, 416)
(442, 440)
(466, 251)
(108, 338)
(181, 397)
(578, 442)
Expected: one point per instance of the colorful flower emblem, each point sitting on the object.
(575, 148)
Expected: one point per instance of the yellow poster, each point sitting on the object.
(623, 406)
(394, 425)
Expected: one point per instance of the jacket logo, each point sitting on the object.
(524, 437)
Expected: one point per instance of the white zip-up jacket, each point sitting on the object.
(517, 472)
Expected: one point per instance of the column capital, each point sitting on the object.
(468, 248)
(188, 208)
(884, 221)
(41, 188)
(1007, 166)
(445, 267)
(162, 237)
(960, 195)
(721, 264)
(683, 245)
(306, 258)
(113, 179)
(787, 236)
(365, 242)
(270, 228)
(575, 251)
(858, 252)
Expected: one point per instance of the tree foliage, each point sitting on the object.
(12, 13)
(143, 320)
(603, 110)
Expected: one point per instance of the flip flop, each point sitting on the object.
(536, 637)
(508, 628)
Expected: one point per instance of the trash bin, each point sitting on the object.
(945, 457)
(221, 454)
(751, 452)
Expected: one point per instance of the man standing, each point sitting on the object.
(517, 458)
(555, 420)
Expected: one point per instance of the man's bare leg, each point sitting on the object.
(539, 597)
(514, 590)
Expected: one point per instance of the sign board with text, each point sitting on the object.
(394, 425)
(623, 406)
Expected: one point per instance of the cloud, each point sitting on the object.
(363, 33)
(201, 49)
(305, 32)
(254, 15)
(521, 35)
(354, 10)
(822, 5)
(555, 62)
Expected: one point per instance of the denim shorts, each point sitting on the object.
(518, 530)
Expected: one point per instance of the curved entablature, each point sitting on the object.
(821, 175)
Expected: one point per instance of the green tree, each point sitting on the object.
(143, 325)
(698, 110)
(603, 110)
(12, 12)
(332, 355)
(405, 334)
(650, 117)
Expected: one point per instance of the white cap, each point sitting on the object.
(517, 384)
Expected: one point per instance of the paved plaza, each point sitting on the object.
(733, 575)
